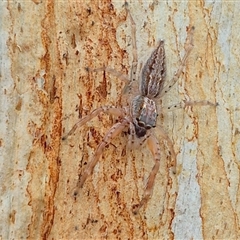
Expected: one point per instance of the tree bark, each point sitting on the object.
(45, 89)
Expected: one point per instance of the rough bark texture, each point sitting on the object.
(45, 47)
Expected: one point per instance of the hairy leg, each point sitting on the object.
(119, 112)
(133, 73)
(123, 77)
(115, 130)
(185, 104)
(154, 147)
(164, 135)
(177, 74)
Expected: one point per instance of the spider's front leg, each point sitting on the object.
(115, 130)
(154, 147)
(164, 135)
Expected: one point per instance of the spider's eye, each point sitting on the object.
(141, 124)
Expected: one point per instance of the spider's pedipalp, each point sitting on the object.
(115, 130)
(118, 112)
(134, 140)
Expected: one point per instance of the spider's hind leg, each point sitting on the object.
(121, 76)
(189, 47)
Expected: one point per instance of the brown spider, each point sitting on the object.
(140, 117)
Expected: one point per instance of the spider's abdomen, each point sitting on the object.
(153, 73)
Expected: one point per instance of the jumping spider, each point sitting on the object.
(140, 117)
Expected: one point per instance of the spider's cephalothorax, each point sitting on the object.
(144, 113)
(141, 116)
